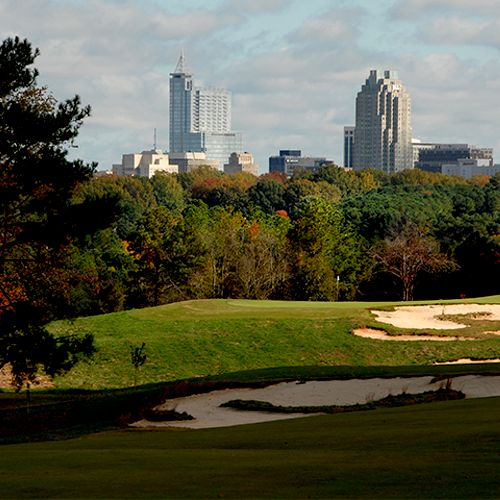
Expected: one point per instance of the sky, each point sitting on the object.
(294, 67)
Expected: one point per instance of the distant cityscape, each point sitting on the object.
(200, 134)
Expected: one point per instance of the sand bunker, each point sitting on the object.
(207, 412)
(467, 361)
(425, 317)
(371, 333)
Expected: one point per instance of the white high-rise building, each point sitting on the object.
(200, 118)
(211, 110)
(383, 134)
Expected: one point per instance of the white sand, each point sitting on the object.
(207, 412)
(425, 317)
(370, 333)
(467, 361)
(205, 407)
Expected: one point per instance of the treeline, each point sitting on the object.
(321, 236)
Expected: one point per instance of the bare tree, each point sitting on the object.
(410, 253)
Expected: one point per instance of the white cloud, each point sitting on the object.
(460, 30)
(254, 6)
(339, 26)
(453, 100)
(409, 9)
(324, 30)
(196, 24)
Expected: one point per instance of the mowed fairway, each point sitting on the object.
(442, 450)
(211, 337)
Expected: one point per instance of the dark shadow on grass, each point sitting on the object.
(64, 414)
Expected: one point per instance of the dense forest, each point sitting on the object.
(329, 235)
(72, 243)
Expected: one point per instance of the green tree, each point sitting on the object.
(268, 194)
(220, 234)
(349, 182)
(37, 213)
(138, 357)
(261, 258)
(168, 192)
(326, 247)
(166, 253)
(224, 190)
(132, 197)
(299, 188)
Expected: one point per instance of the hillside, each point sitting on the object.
(209, 337)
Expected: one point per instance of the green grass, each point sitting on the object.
(443, 450)
(209, 337)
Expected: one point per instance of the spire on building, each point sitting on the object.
(181, 64)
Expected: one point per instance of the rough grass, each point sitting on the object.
(390, 401)
(443, 450)
(209, 337)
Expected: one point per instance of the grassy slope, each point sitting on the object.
(199, 338)
(443, 450)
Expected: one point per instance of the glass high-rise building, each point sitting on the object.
(348, 146)
(383, 134)
(200, 118)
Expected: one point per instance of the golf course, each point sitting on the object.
(75, 438)
(214, 337)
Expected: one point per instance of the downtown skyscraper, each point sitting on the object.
(383, 134)
(200, 118)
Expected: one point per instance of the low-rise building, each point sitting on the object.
(469, 168)
(191, 160)
(431, 157)
(241, 162)
(291, 160)
(145, 164)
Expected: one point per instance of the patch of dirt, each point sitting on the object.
(41, 381)
(371, 333)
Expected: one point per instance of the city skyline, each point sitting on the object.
(293, 68)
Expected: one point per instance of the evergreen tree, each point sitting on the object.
(37, 216)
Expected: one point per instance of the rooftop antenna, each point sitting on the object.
(154, 139)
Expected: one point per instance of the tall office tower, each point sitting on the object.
(348, 144)
(200, 118)
(181, 87)
(382, 135)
